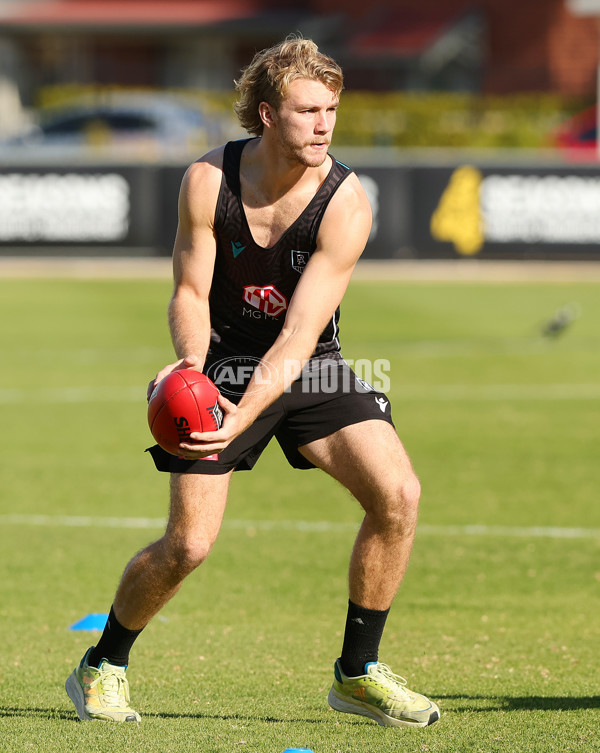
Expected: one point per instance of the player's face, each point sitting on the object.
(305, 120)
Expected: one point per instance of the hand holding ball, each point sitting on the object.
(185, 401)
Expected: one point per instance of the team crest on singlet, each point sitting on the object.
(299, 260)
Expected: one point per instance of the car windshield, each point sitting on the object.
(75, 124)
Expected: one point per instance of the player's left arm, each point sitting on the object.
(342, 237)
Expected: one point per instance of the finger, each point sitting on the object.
(160, 376)
(209, 436)
(190, 450)
(170, 368)
(167, 370)
(226, 404)
(150, 390)
(197, 454)
(188, 362)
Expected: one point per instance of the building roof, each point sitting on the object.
(398, 32)
(119, 13)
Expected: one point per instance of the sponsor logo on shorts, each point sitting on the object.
(267, 299)
(300, 260)
(382, 403)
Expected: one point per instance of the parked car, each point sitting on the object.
(144, 124)
(578, 136)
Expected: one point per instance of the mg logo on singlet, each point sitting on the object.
(267, 299)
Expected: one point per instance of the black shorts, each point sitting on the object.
(325, 398)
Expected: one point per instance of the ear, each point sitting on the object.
(267, 114)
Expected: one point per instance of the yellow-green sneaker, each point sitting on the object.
(381, 695)
(100, 692)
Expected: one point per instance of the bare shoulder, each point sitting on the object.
(200, 188)
(350, 200)
(353, 193)
(348, 217)
(205, 172)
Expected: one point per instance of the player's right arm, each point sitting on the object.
(194, 255)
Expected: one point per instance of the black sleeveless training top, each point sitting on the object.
(252, 286)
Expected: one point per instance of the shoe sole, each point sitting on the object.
(75, 693)
(350, 706)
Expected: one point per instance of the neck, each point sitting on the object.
(275, 174)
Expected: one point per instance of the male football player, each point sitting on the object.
(270, 229)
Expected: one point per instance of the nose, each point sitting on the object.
(324, 122)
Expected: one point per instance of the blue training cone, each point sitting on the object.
(90, 622)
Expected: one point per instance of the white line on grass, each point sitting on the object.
(78, 395)
(314, 526)
(534, 345)
(437, 392)
(91, 356)
(492, 392)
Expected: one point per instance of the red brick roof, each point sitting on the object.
(66, 13)
(401, 32)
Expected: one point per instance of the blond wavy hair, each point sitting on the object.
(271, 72)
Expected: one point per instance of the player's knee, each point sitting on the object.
(399, 512)
(410, 492)
(187, 553)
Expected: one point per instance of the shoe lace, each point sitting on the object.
(393, 683)
(113, 685)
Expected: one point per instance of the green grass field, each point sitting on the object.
(498, 618)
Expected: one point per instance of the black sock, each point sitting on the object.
(364, 628)
(114, 645)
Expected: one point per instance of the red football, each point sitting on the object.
(183, 402)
